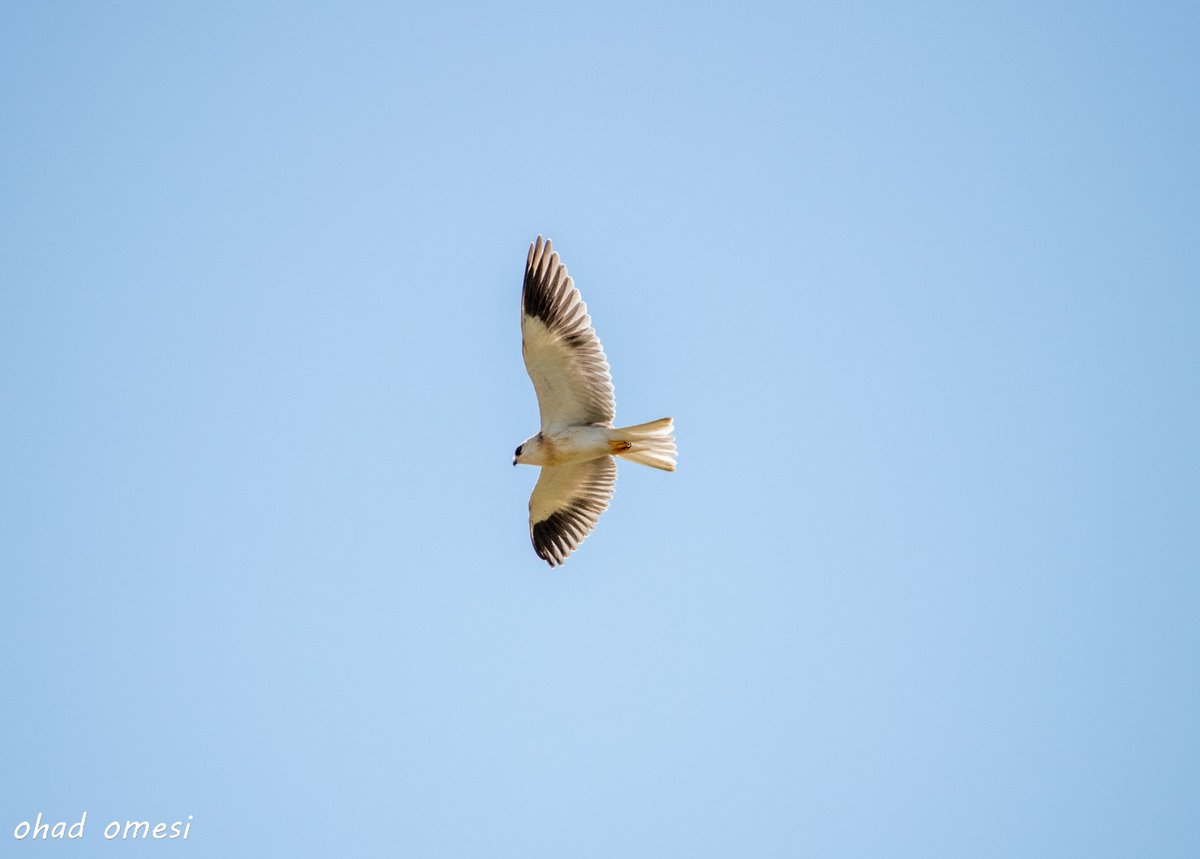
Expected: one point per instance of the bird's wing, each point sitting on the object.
(562, 352)
(566, 504)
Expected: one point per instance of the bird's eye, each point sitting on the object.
(519, 449)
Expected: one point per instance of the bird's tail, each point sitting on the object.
(649, 444)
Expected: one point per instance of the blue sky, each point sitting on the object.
(920, 286)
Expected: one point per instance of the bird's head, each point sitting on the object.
(526, 452)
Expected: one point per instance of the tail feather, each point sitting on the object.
(650, 443)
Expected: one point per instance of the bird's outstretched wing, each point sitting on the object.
(566, 504)
(562, 352)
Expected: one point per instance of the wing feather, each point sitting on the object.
(566, 504)
(562, 352)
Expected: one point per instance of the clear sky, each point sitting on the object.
(919, 283)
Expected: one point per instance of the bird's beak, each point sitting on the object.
(514, 461)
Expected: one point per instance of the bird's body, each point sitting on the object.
(564, 445)
(577, 442)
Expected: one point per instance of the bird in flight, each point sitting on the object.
(577, 444)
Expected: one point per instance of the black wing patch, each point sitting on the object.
(549, 295)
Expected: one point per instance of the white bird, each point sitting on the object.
(577, 443)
